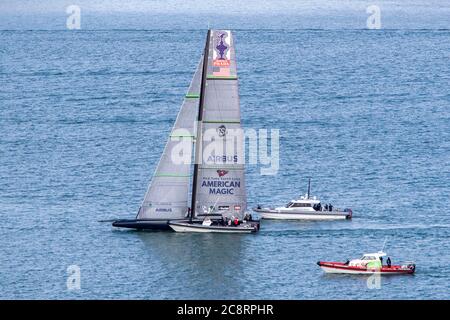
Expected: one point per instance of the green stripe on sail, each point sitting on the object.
(224, 167)
(221, 121)
(192, 96)
(211, 77)
(172, 175)
(182, 136)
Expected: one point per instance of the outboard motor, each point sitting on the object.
(411, 266)
(350, 213)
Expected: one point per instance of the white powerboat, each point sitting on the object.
(305, 208)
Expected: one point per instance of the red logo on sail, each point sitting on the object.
(222, 173)
(237, 207)
(221, 63)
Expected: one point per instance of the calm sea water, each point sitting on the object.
(83, 120)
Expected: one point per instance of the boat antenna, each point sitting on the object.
(384, 244)
(198, 155)
(309, 188)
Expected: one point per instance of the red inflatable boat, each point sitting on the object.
(370, 263)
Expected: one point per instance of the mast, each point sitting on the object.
(198, 142)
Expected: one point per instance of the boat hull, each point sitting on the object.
(316, 215)
(200, 228)
(143, 224)
(338, 267)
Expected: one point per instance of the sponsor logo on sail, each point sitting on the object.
(222, 131)
(222, 173)
(237, 207)
(221, 50)
(221, 54)
(220, 187)
(222, 159)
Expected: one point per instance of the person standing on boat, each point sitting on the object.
(330, 207)
(388, 261)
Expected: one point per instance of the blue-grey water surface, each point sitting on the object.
(84, 116)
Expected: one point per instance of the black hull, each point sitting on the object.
(154, 224)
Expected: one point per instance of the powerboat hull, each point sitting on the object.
(144, 224)
(198, 227)
(342, 268)
(276, 214)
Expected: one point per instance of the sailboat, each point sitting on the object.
(218, 183)
(305, 208)
(209, 119)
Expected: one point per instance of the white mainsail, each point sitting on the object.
(221, 177)
(167, 194)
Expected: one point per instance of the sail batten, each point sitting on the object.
(210, 77)
(221, 121)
